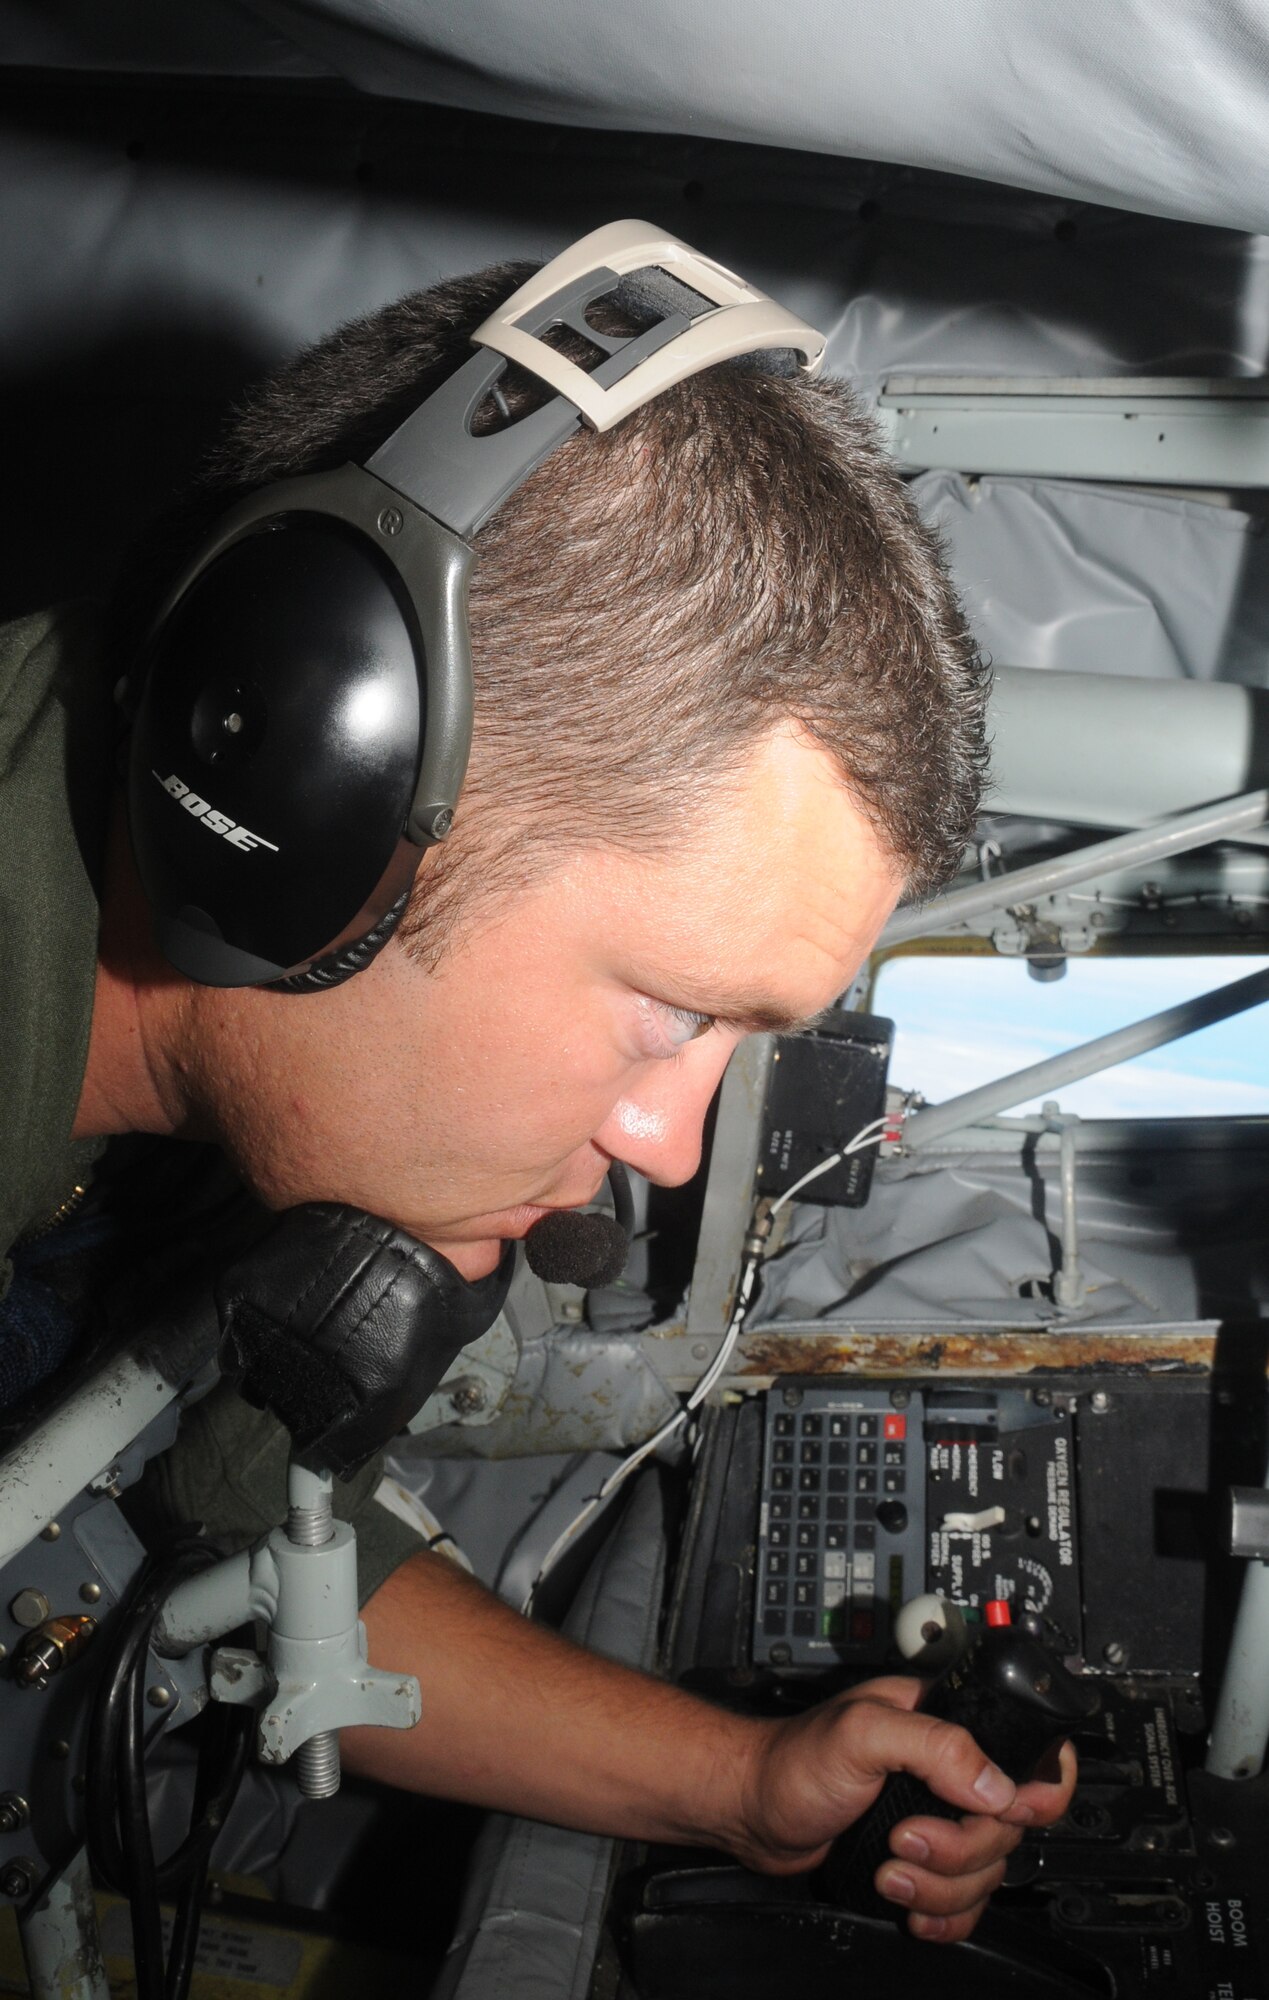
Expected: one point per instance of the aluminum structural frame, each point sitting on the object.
(1174, 431)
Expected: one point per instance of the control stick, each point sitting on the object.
(1016, 1700)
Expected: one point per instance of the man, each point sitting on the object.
(727, 712)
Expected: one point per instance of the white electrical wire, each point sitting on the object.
(868, 1135)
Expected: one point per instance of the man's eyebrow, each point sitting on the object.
(757, 1018)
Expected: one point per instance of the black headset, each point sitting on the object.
(302, 706)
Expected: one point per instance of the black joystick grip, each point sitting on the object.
(342, 1326)
(1016, 1701)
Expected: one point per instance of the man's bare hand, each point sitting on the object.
(817, 1773)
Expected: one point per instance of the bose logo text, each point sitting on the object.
(215, 822)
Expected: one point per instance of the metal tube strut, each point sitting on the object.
(1123, 850)
(1240, 1726)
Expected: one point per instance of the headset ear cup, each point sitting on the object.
(337, 966)
(275, 752)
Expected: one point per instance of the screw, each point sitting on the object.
(1114, 1653)
(18, 1879)
(1220, 1836)
(233, 723)
(469, 1395)
(29, 1608)
(1074, 1909)
(59, 1750)
(51, 1533)
(14, 1812)
(442, 822)
(1099, 1401)
(90, 1592)
(900, 1398)
(781, 1655)
(1042, 1397)
(792, 1398)
(700, 1350)
(159, 1697)
(390, 521)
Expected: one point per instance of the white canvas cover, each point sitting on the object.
(1156, 105)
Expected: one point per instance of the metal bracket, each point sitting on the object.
(311, 1685)
(1181, 431)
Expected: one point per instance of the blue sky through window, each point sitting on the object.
(962, 1021)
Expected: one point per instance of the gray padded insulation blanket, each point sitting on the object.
(1161, 107)
(535, 1893)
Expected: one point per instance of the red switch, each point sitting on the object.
(996, 1611)
(895, 1427)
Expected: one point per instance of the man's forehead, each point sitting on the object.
(759, 911)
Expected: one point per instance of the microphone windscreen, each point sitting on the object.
(565, 1248)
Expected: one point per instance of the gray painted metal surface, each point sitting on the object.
(1240, 1725)
(729, 1188)
(1249, 1522)
(1194, 436)
(60, 1940)
(1120, 749)
(85, 1563)
(81, 1440)
(1086, 1060)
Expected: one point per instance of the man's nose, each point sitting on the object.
(656, 1128)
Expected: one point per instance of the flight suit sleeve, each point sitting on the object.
(227, 1469)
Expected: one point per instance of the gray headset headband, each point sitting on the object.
(433, 483)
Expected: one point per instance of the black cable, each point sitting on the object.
(222, 1759)
(120, 1843)
(134, 1824)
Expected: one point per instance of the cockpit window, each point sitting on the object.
(962, 1021)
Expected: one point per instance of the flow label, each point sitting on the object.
(226, 1951)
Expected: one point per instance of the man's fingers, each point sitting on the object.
(1041, 1802)
(954, 1847)
(945, 1930)
(937, 1895)
(946, 1758)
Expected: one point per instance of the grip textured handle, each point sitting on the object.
(1016, 1701)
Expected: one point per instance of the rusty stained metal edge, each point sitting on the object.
(781, 1350)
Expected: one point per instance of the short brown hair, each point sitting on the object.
(655, 599)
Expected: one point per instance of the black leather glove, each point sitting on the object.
(342, 1326)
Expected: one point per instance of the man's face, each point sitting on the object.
(587, 1020)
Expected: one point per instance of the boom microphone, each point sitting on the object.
(569, 1248)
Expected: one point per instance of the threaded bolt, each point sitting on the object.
(317, 1765)
(309, 1527)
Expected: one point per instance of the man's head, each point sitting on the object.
(717, 658)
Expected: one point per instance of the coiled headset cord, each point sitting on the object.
(120, 1843)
